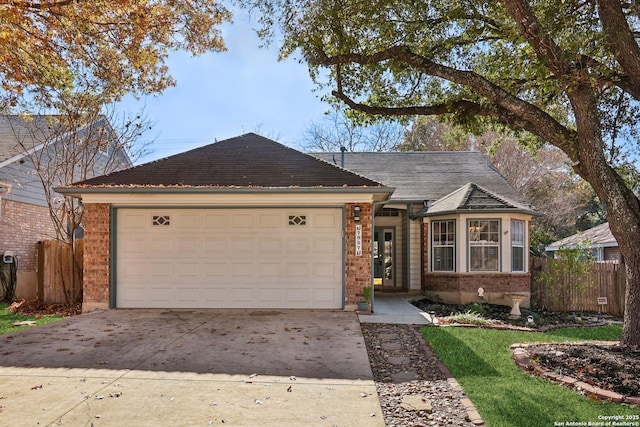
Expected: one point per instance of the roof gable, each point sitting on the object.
(472, 198)
(18, 134)
(247, 161)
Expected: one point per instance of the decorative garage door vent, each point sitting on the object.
(162, 220)
(297, 220)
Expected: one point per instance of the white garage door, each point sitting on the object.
(229, 258)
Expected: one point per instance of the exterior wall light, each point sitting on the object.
(356, 213)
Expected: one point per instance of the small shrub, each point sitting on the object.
(469, 318)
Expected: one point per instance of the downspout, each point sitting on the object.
(373, 227)
(408, 236)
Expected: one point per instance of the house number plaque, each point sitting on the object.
(358, 240)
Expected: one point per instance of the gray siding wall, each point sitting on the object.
(26, 186)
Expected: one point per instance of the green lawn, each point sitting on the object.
(480, 359)
(7, 318)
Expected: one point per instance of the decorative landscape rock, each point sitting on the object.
(412, 375)
(416, 402)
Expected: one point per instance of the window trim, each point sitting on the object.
(524, 241)
(433, 245)
(498, 245)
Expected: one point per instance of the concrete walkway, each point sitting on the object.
(395, 308)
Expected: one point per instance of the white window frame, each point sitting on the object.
(517, 244)
(484, 244)
(443, 244)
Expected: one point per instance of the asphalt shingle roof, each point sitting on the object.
(419, 176)
(247, 161)
(472, 197)
(596, 236)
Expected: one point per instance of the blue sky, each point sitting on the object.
(222, 95)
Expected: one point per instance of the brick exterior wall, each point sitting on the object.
(22, 226)
(466, 282)
(97, 256)
(358, 268)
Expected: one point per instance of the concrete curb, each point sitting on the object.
(473, 415)
(522, 358)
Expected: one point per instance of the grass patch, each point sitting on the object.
(480, 359)
(7, 318)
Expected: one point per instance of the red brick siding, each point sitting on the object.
(464, 282)
(22, 226)
(97, 248)
(358, 268)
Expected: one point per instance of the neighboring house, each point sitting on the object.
(598, 240)
(249, 223)
(24, 212)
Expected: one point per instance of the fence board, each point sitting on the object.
(58, 280)
(606, 279)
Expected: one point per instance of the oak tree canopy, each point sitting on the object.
(562, 72)
(56, 51)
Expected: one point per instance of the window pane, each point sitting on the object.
(483, 258)
(517, 245)
(517, 259)
(442, 246)
(517, 233)
(442, 259)
(484, 245)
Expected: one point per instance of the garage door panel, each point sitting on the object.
(269, 271)
(160, 270)
(297, 246)
(324, 296)
(244, 245)
(270, 221)
(187, 269)
(229, 258)
(243, 221)
(214, 269)
(159, 244)
(215, 220)
(134, 221)
(325, 221)
(215, 245)
(327, 246)
(326, 270)
(187, 245)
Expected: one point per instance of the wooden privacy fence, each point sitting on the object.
(59, 276)
(605, 280)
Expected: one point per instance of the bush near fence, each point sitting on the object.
(56, 282)
(608, 279)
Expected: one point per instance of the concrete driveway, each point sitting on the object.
(189, 368)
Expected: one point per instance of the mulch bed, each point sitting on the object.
(607, 367)
(39, 309)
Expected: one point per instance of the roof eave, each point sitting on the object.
(478, 211)
(78, 191)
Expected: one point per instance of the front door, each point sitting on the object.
(384, 256)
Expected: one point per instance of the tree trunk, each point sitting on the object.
(623, 207)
